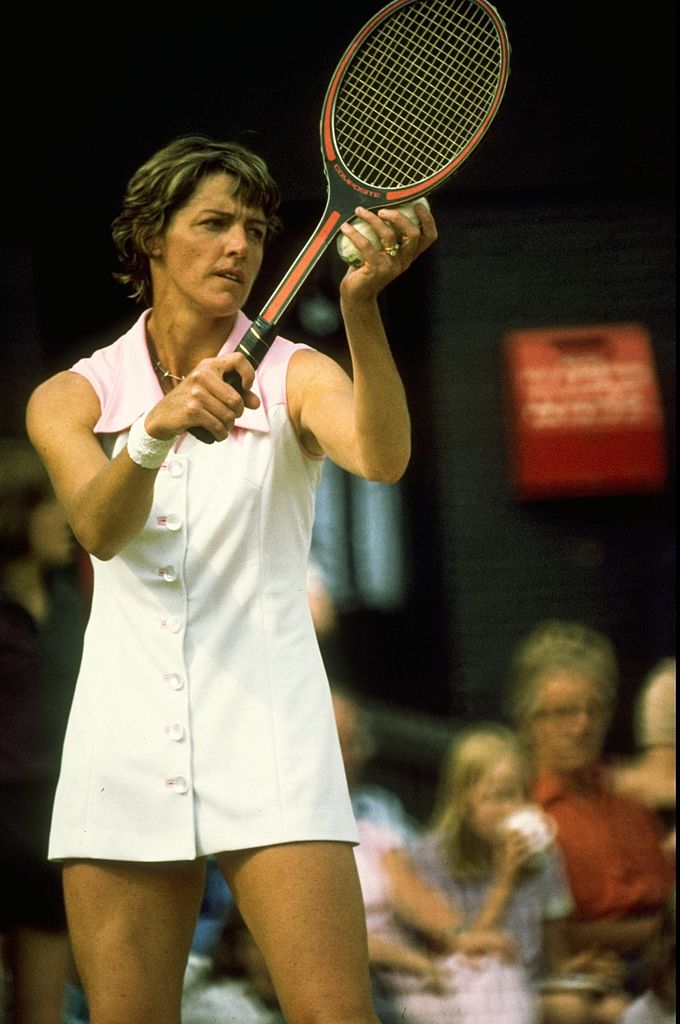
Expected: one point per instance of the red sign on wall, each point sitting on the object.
(585, 412)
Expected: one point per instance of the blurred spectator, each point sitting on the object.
(326, 618)
(370, 802)
(321, 603)
(41, 626)
(562, 694)
(492, 855)
(383, 822)
(408, 963)
(649, 776)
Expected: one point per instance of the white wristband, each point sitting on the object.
(145, 450)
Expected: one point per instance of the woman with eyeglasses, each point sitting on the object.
(562, 695)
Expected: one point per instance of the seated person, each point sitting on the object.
(492, 855)
(358, 747)
(649, 776)
(561, 695)
(413, 942)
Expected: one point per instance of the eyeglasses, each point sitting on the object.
(567, 712)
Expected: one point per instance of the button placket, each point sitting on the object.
(177, 757)
(171, 496)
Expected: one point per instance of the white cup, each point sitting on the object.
(538, 829)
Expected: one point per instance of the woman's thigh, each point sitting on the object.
(131, 928)
(303, 905)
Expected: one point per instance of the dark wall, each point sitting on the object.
(590, 102)
(508, 563)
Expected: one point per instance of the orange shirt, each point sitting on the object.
(611, 847)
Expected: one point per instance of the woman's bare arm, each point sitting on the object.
(107, 502)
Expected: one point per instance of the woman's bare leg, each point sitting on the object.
(131, 929)
(304, 908)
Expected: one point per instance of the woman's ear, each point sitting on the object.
(154, 248)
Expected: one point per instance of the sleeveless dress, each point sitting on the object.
(202, 718)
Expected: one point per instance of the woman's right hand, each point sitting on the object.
(204, 399)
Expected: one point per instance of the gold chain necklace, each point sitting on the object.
(165, 374)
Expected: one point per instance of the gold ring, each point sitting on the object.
(392, 250)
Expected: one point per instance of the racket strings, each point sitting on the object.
(417, 91)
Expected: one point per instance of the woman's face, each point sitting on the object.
(52, 542)
(211, 251)
(567, 730)
(498, 792)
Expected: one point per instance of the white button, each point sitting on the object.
(174, 681)
(178, 784)
(175, 731)
(173, 522)
(168, 573)
(175, 467)
(174, 623)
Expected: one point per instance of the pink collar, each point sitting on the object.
(128, 385)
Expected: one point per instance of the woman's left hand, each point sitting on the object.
(401, 243)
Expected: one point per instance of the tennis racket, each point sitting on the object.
(410, 99)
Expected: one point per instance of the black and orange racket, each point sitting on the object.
(410, 99)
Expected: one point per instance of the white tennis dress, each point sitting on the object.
(202, 718)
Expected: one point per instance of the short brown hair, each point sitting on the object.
(166, 182)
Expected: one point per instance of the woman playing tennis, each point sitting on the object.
(202, 722)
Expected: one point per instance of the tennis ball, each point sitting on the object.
(348, 250)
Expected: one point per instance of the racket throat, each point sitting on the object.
(257, 341)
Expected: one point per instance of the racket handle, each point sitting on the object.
(254, 345)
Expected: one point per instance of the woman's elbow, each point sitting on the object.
(101, 548)
(99, 540)
(389, 470)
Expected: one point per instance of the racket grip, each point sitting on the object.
(254, 345)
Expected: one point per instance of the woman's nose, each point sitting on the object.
(237, 240)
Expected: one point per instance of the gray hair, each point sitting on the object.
(553, 646)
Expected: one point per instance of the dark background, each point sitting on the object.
(564, 214)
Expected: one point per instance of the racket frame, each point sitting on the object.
(345, 191)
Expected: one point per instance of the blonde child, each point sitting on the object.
(505, 881)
